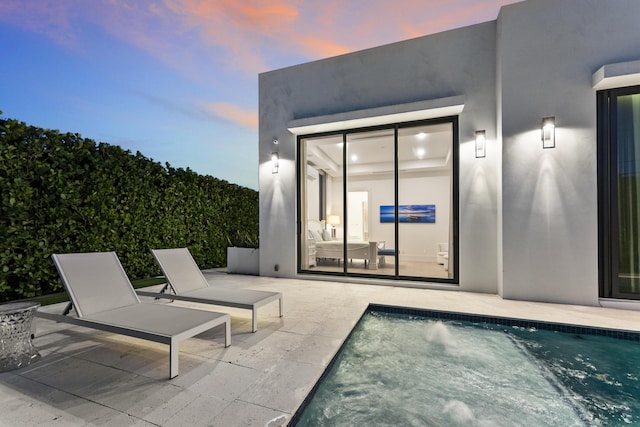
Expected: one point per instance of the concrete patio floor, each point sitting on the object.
(86, 377)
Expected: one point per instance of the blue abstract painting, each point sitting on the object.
(409, 213)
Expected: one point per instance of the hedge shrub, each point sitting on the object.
(64, 193)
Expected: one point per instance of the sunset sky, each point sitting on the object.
(177, 80)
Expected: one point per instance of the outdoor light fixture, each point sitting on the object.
(548, 132)
(481, 146)
(333, 220)
(275, 162)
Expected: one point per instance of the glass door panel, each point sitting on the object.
(628, 194)
(321, 201)
(425, 201)
(370, 184)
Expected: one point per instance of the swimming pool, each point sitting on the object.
(426, 368)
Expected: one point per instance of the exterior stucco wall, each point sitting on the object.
(548, 52)
(458, 62)
(528, 216)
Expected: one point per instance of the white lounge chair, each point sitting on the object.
(104, 299)
(189, 284)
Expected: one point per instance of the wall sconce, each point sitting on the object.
(333, 220)
(548, 132)
(275, 162)
(481, 146)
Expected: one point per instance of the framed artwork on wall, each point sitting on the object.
(409, 213)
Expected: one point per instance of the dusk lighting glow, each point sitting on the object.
(178, 80)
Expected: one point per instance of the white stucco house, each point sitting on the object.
(426, 162)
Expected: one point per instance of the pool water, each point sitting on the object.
(399, 370)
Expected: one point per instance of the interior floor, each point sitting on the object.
(407, 268)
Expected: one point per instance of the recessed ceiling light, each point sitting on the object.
(421, 135)
(420, 152)
(354, 158)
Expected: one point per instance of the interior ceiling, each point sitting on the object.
(422, 148)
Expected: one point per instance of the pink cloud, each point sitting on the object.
(383, 22)
(232, 113)
(50, 18)
(259, 14)
(466, 13)
(247, 36)
(203, 38)
(240, 30)
(319, 47)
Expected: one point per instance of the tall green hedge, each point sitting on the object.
(63, 193)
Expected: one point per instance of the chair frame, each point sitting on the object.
(206, 319)
(244, 298)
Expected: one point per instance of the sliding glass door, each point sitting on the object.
(380, 201)
(370, 177)
(619, 192)
(425, 200)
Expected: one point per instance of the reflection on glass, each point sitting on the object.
(628, 146)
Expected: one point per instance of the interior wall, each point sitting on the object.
(548, 51)
(313, 196)
(418, 242)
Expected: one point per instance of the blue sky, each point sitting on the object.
(177, 80)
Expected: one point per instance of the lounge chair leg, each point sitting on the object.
(173, 360)
(281, 308)
(254, 319)
(67, 309)
(227, 332)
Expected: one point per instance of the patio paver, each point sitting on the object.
(96, 378)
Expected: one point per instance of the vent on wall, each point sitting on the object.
(312, 173)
